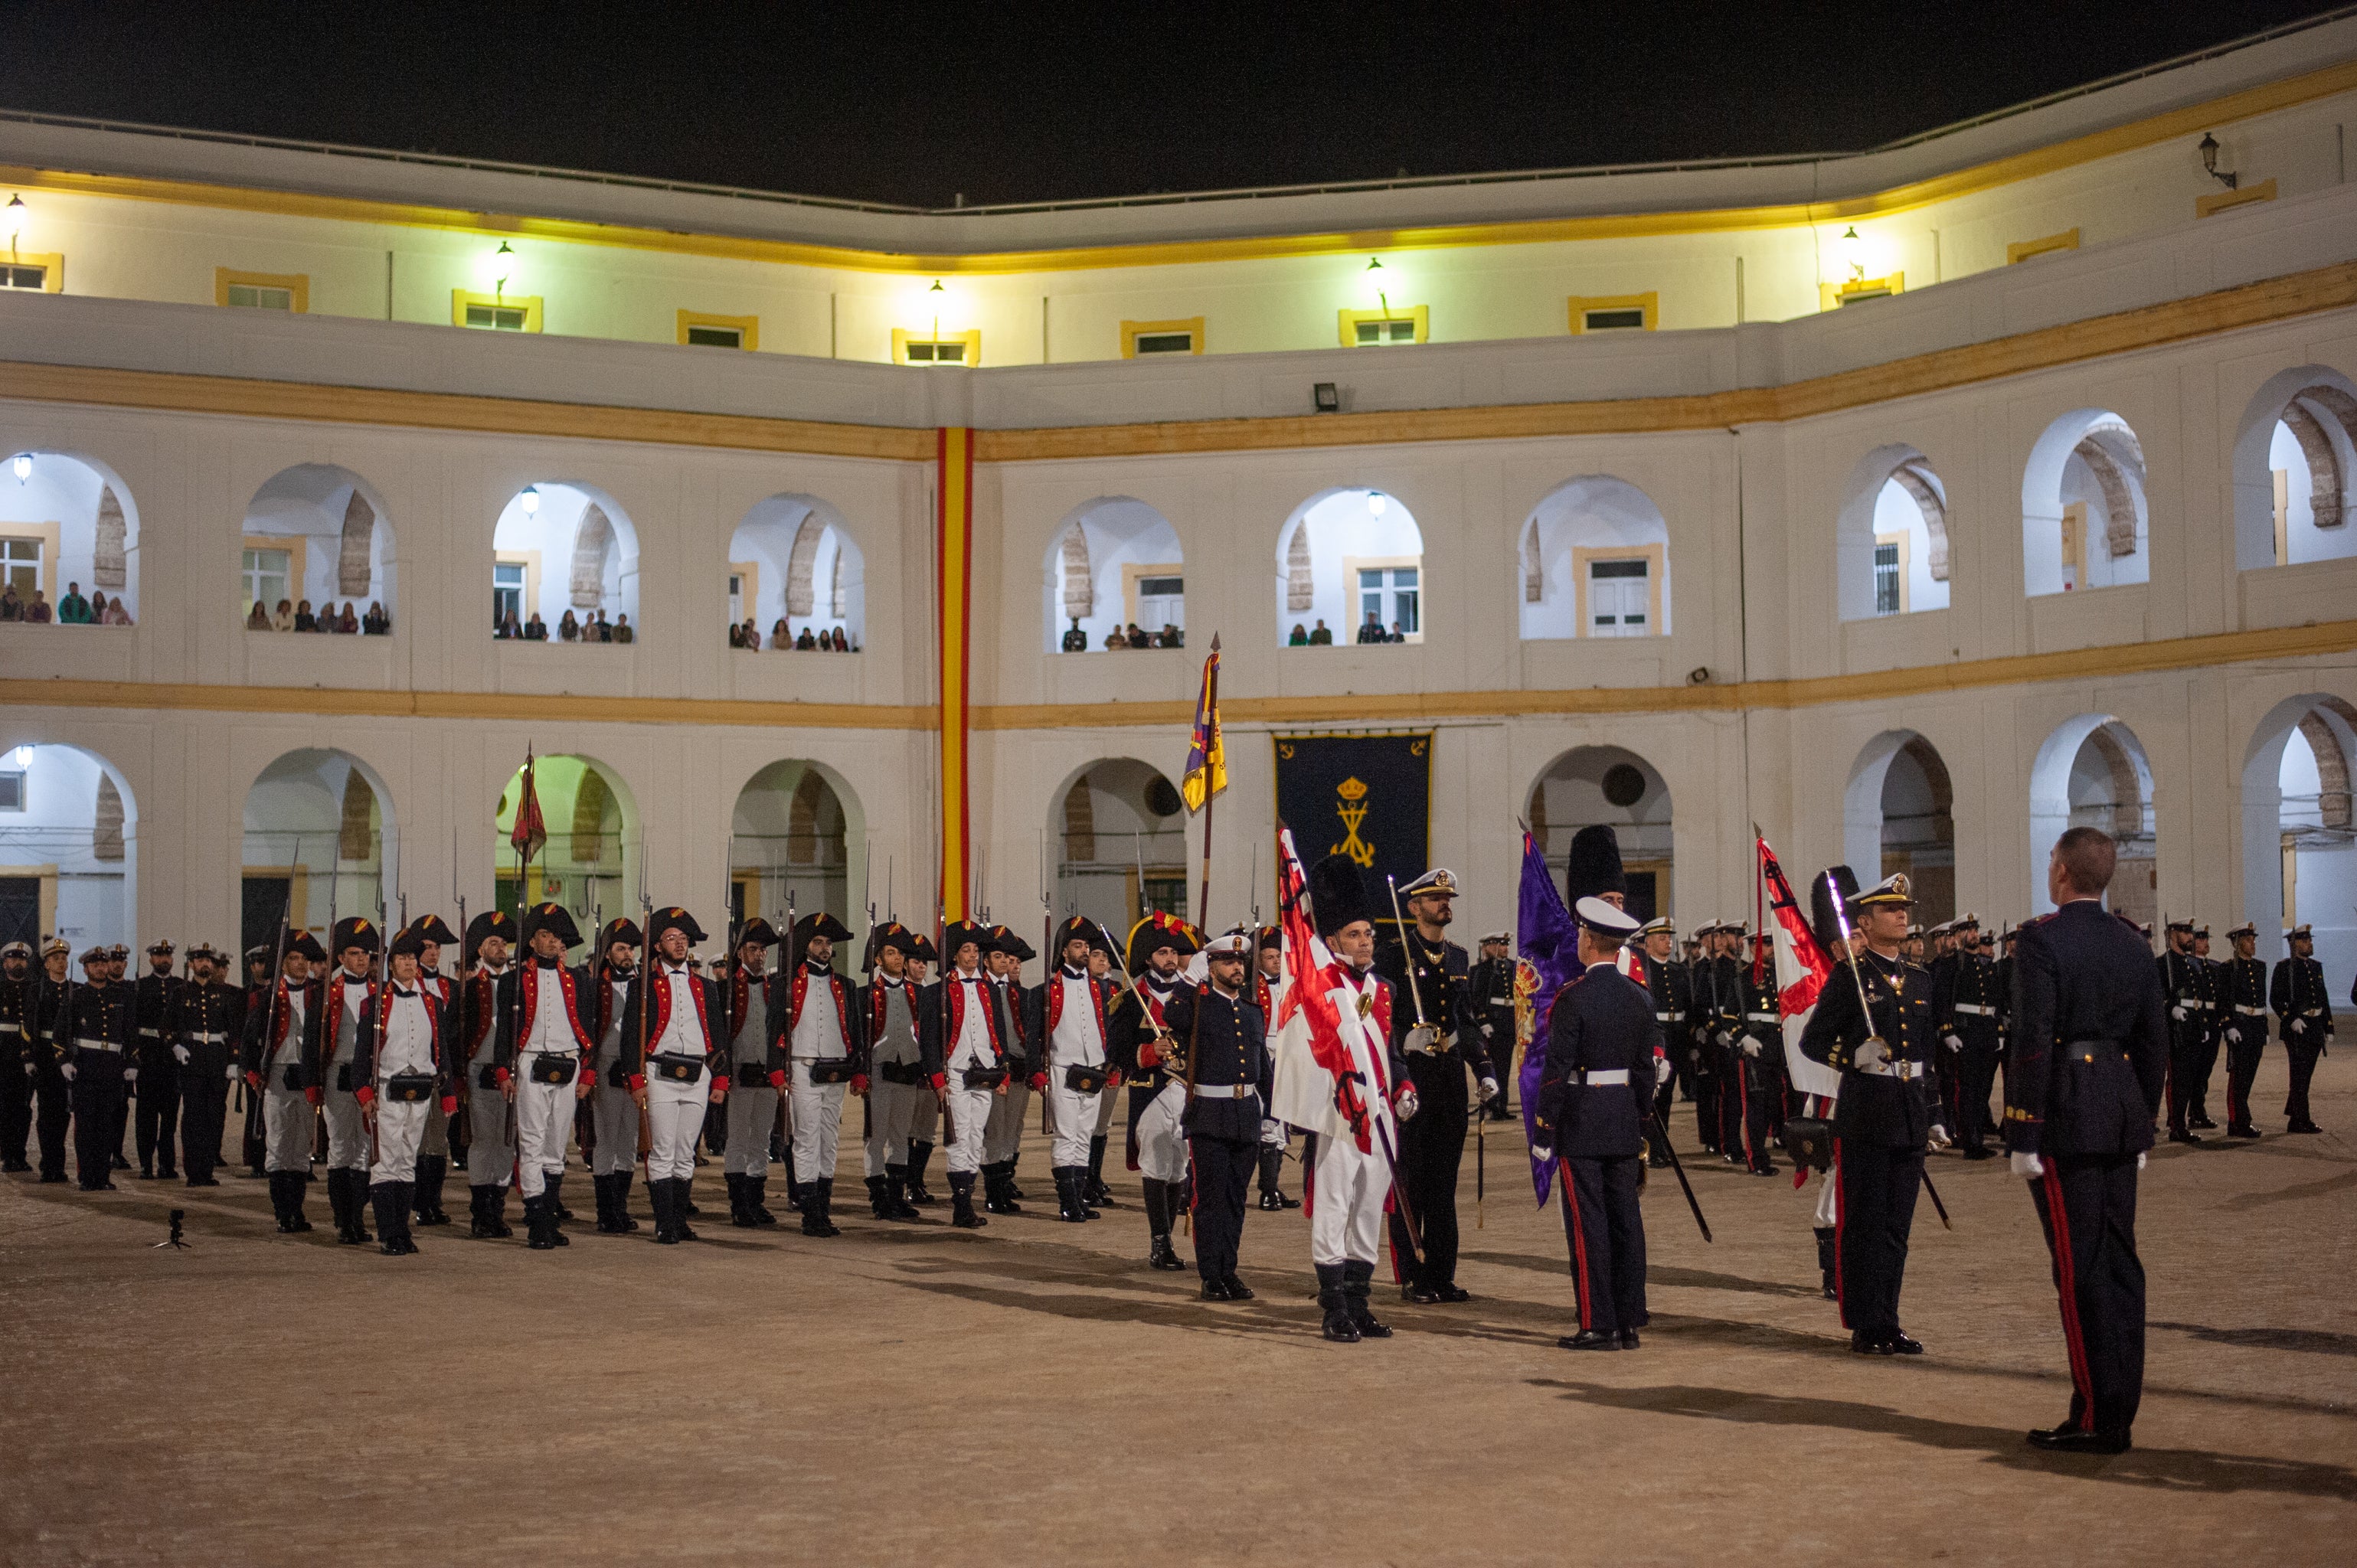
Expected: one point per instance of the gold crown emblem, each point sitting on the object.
(1351, 790)
(1900, 884)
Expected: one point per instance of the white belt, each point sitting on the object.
(2250, 1012)
(2313, 1013)
(1894, 1069)
(213, 1040)
(1501, 1001)
(559, 1051)
(1669, 1017)
(1225, 1090)
(98, 1045)
(1604, 1077)
(1975, 1009)
(10, 1026)
(151, 1034)
(1765, 1017)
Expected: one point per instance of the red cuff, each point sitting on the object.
(858, 1083)
(449, 1105)
(253, 1081)
(312, 1095)
(941, 1081)
(1149, 1058)
(1039, 1081)
(364, 1094)
(778, 1080)
(637, 1082)
(720, 1081)
(500, 1076)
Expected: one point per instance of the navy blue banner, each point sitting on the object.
(1366, 796)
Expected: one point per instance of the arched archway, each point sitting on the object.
(1893, 536)
(1898, 815)
(319, 533)
(1609, 784)
(2092, 772)
(2084, 521)
(797, 833)
(1120, 830)
(1114, 561)
(559, 546)
(68, 848)
(2295, 471)
(320, 842)
(1594, 561)
(590, 861)
(70, 530)
(793, 559)
(1346, 555)
(2300, 840)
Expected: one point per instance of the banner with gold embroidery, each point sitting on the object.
(1366, 796)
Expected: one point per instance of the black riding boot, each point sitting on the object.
(683, 1189)
(998, 1189)
(428, 1204)
(757, 1193)
(737, 1211)
(1068, 1195)
(287, 1193)
(552, 1194)
(962, 1214)
(1014, 1193)
(1272, 1172)
(1356, 1283)
(896, 1192)
(1160, 1210)
(1336, 1305)
(822, 1198)
(1095, 1190)
(1825, 1261)
(666, 1224)
(878, 1204)
(921, 1155)
(381, 1197)
(623, 1200)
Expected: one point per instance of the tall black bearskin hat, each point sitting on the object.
(482, 927)
(431, 928)
(553, 918)
(1593, 869)
(957, 933)
(889, 934)
(1078, 929)
(352, 931)
(1338, 894)
(1004, 939)
(1835, 881)
(673, 918)
(1156, 932)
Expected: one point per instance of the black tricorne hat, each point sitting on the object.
(1338, 894)
(552, 916)
(1593, 868)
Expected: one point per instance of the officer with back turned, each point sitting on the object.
(2304, 1020)
(2082, 1080)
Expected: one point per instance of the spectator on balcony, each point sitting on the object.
(596, 627)
(782, 639)
(39, 612)
(376, 623)
(12, 606)
(736, 635)
(1172, 637)
(749, 635)
(304, 619)
(569, 630)
(535, 629)
(349, 623)
(807, 642)
(620, 631)
(282, 617)
(1373, 631)
(1300, 638)
(1138, 637)
(114, 613)
(1397, 635)
(258, 617)
(1115, 640)
(1076, 640)
(1321, 636)
(327, 622)
(73, 609)
(505, 628)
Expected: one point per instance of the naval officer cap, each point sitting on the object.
(1894, 890)
(1659, 923)
(1234, 942)
(2247, 928)
(2300, 933)
(16, 950)
(2185, 926)
(1438, 882)
(1611, 924)
(196, 951)
(160, 950)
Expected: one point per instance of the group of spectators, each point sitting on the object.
(572, 628)
(298, 617)
(72, 610)
(1322, 636)
(745, 634)
(1135, 636)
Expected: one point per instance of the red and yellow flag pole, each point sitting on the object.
(954, 572)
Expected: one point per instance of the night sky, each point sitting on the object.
(919, 103)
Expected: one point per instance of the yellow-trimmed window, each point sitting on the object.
(1161, 338)
(703, 329)
(495, 311)
(33, 272)
(290, 292)
(1618, 589)
(1382, 329)
(2022, 250)
(1833, 296)
(936, 348)
(1615, 312)
(28, 558)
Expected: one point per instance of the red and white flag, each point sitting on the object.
(1802, 970)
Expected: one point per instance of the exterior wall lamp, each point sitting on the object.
(2230, 179)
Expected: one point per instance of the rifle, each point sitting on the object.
(647, 968)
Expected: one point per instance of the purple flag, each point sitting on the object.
(1550, 946)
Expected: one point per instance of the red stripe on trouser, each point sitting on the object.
(2066, 1282)
(1841, 1230)
(1578, 1243)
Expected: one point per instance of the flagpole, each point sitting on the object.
(1211, 707)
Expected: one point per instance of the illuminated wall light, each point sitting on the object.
(23, 464)
(1376, 504)
(1853, 252)
(21, 758)
(503, 262)
(530, 500)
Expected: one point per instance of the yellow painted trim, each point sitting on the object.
(46, 900)
(2222, 201)
(902, 337)
(1131, 571)
(751, 326)
(298, 284)
(751, 572)
(1656, 556)
(2078, 664)
(1581, 304)
(1906, 544)
(53, 279)
(1831, 296)
(460, 298)
(1130, 330)
(299, 550)
(1349, 319)
(2022, 250)
(2187, 122)
(529, 560)
(49, 537)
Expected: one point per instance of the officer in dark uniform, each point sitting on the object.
(1594, 1093)
(50, 1045)
(1967, 1007)
(2303, 1013)
(1490, 985)
(18, 989)
(2185, 986)
(2090, 1050)
(1670, 986)
(101, 1034)
(1439, 1032)
(2214, 1030)
(2242, 1012)
(1228, 1083)
(254, 1151)
(157, 1117)
(1887, 1109)
(1728, 992)
(207, 1019)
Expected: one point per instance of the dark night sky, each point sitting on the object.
(910, 104)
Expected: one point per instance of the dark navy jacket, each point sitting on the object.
(2090, 1046)
(1602, 1021)
(1229, 1042)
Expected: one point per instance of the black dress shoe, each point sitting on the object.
(1217, 1290)
(2199, 1123)
(1902, 1345)
(1237, 1289)
(2072, 1440)
(1628, 1340)
(1421, 1296)
(1452, 1294)
(2176, 1137)
(2303, 1127)
(1862, 1345)
(1982, 1152)
(1590, 1339)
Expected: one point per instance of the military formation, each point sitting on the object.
(369, 1069)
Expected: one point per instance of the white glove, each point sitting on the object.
(1750, 1046)
(1724, 1039)
(2027, 1168)
(1939, 1139)
(1405, 1106)
(30, 1070)
(130, 1076)
(1955, 1042)
(180, 1055)
(1870, 1053)
(1489, 1089)
(2139, 1162)
(1421, 1037)
(2233, 1037)
(2178, 1013)
(233, 1074)
(67, 1068)
(1542, 1153)
(2299, 1026)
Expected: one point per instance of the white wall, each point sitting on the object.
(1589, 513)
(765, 539)
(55, 829)
(1344, 524)
(66, 490)
(552, 531)
(1121, 532)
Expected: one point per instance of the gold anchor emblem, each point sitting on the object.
(1352, 808)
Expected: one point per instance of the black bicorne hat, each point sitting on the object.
(621, 928)
(353, 931)
(1338, 894)
(553, 918)
(673, 918)
(1004, 939)
(1594, 867)
(888, 934)
(957, 933)
(1079, 928)
(1835, 881)
(1157, 932)
(430, 927)
(307, 944)
(411, 941)
(757, 930)
(484, 926)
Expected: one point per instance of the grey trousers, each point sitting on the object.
(1003, 1138)
(491, 1157)
(287, 1124)
(893, 1110)
(752, 1112)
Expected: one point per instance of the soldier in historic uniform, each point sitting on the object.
(2242, 1012)
(603, 986)
(1269, 974)
(969, 1051)
(1671, 986)
(543, 1043)
(98, 1035)
(818, 1032)
(282, 1071)
(1438, 1034)
(206, 1017)
(1704, 1020)
(261, 984)
(925, 1122)
(343, 1006)
(19, 1014)
(2303, 1011)
(1227, 1081)
(1071, 1018)
(746, 1023)
(475, 1035)
(433, 1144)
(2186, 983)
(156, 1118)
(47, 1039)
(891, 1010)
(676, 1064)
(1595, 1092)
(2090, 1050)
(1102, 960)
(400, 1072)
(1002, 1141)
(1883, 1048)
(1158, 946)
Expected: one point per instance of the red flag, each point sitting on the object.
(1308, 1017)
(1802, 965)
(529, 831)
